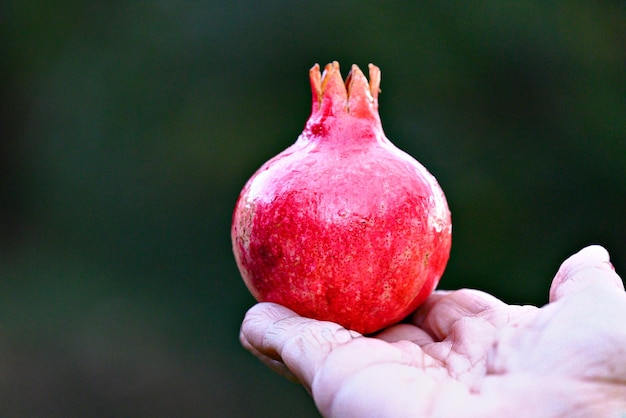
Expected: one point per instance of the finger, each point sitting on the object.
(256, 322)
(276, 365)
(590, 267)
(405, 332)
(438, 315)
(301, 344)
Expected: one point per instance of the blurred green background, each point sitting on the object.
(129, 127)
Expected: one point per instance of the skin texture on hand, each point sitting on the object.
(465, 353)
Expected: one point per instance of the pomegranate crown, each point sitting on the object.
(357, 96)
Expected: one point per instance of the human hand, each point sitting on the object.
(465, 353)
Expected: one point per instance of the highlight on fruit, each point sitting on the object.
(342, 225)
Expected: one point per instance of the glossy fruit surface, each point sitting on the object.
(342, 225)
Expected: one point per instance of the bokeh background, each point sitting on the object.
(129, 127)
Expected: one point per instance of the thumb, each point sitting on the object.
(590, 267)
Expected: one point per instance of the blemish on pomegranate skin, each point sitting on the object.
(317, 130)
(343, 226)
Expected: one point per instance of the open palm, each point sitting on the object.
(465, 353)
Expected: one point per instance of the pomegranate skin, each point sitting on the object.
(342, 225)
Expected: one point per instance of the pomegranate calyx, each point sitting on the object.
(357, 96)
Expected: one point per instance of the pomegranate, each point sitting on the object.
(342, 225)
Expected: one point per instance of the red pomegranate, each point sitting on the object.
(342, 225)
